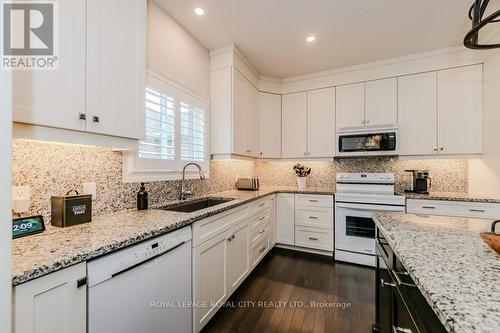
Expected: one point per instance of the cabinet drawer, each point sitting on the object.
(314, 238)
(454, 208)
(259, 234)
(314, 200)
(261, 204)
(259, 250)
(316, 217)
(260, 219)
(212, 226)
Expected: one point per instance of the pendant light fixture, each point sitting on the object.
(476, 13)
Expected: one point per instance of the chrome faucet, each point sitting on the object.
(183, 192)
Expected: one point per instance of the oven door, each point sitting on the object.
(355, 228)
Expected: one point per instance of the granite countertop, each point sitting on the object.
(450, 196)
(37, 255)
(455, 270)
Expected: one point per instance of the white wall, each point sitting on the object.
(5, 202)
(174, 53)
(484, 173)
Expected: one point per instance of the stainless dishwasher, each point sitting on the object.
(143, 288)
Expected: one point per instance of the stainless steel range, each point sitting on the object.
(358, 196)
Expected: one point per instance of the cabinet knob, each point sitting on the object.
(305, 154)
(248, 150)
(260, 153)
(82, 116)
(362, 121)
(441, 149)
(435, 149)
(95, 119)
(367, 121)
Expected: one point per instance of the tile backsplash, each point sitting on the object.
(53, 169)
(447, 175)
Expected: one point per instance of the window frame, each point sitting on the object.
(136, 169)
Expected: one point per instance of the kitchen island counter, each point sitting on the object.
(454, 269)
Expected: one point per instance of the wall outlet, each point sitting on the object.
(90, 188)
(21, 199)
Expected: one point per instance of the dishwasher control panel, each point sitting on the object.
(104, 268)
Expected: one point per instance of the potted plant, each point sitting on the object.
(302, 172)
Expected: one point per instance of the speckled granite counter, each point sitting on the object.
(37, 255)
(450, 196)
(455, 270)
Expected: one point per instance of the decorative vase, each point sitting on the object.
(301, 182)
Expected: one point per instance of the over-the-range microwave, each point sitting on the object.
(367, 142)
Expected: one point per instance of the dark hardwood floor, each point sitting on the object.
(347, 293)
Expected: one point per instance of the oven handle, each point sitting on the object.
(368, 207)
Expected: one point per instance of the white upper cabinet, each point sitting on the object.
(460, 110)
(56, 98)
(417, 114)
(381, 103)
(116, 34)
(350, 106)
(294, 125)
(269, 125)
(321, 123)
(234, 114)
(99, 86)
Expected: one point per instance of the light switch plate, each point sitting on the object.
(90, 188)
(20, 199)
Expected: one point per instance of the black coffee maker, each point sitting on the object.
(417, 181)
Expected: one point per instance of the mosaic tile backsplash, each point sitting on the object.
(53, 169)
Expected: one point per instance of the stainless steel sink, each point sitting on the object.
(194, 205)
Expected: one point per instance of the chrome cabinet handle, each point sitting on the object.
(95, 119)
(313, 200)
(367, 121)
(435, 149)
(477, 210)
(262, 218)
(313, 217)
(401, 283)
(262, 204)
(428, 207)
(386, 284)
(313, 238)
(82, 116)
(397, 329)
(262, 249)
(262, 231)
(248, 150)
(230, 238)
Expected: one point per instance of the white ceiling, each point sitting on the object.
(271, 33)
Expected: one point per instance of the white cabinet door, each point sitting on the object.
(240, 94)
(417, 114)
(286, 218)
(460, 110)
(56, 98)
(321, 123)
(294, 125)
(238, 255)
(350, 102)
(116, 52)
(52, 303)
(381, 102)
(210, 273)
(252, 120)
(273, 222)
(269, 125)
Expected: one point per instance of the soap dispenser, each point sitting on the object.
(142, 198)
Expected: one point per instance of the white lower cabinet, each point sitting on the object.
(314, 238)
(238, 256)
(305, 220)
(52, 303)
(480, 210)
(221, 263)
(285, 203)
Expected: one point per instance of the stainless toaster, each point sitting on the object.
(250, 184)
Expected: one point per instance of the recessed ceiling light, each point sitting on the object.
(310, 39)
(199, 11)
